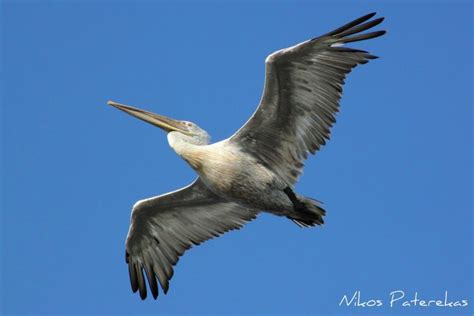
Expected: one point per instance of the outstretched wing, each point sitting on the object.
(303, 85)
(164, 227)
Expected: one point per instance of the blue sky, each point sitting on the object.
(396, 178)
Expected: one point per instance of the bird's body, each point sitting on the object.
(254, 170)
(229, 172)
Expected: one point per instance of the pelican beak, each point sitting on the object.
(165, 123)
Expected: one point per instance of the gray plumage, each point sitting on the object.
(255, 169)
(303, 85)
(163, 227)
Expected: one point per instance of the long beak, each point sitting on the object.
(165, 123)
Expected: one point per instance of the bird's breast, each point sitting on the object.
(231, 173)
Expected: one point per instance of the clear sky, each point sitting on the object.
(396, 177)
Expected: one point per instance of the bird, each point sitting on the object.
(256, 169)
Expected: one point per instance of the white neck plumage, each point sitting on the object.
(189, 148)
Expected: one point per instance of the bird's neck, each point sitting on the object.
(191, 153)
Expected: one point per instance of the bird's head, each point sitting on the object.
(188, 130)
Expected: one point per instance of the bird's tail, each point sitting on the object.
(308, 213)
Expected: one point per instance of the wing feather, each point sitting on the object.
(303, 87)
(164, 227)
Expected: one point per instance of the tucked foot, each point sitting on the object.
(307, 212)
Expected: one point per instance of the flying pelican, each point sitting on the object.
(255, 169)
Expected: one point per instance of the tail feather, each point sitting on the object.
(309, 213)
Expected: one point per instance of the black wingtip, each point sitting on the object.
(360, 28)
(361, 37)
(133, 277)
(141, 282)
(351, 24)
(370, 15)
(150, 275)
(356, 26)
(365, 17)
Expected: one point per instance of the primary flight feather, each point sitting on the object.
(255, 169)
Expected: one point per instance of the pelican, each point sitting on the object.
(254, 170)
